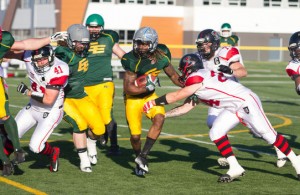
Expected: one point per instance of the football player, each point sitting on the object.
(147, 57)
(80, 111)
(226, 36)
(227, 60)
(216, 90)
(99, 83)
(48, 76)
(7, 43)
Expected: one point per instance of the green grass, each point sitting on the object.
(183, 160)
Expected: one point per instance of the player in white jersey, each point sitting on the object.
(227, 60)
(48, 76)
(215, 90)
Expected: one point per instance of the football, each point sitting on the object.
(141, 81)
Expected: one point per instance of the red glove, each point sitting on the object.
(147, 106)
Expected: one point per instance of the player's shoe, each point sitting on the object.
(19, 156)
(281, 162)
(114, 151)
(138, 171)
(232, 174)
(223, 162)
(296, 165)
(8, 169)
(85, 166)
(54, 159)
(92, 151)
(142, 163)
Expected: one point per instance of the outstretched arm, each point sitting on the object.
(30, 44)
(181, 110)
(117, 50)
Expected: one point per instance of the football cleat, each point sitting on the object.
(138, 171)
(223, 162)
(54, 159)
(93, 159)
(281, 162)
(19, 156)
(114, 151)
(232, 174)
(8, 169)
(85, 166)
(142, 163)
(103, 140)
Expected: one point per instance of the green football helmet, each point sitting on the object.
(226, 30)
(95, 20)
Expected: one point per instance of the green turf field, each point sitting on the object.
(183, 160)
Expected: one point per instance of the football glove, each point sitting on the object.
(147, 106)
(59, 36)
(22, 88)
(225, 69)
(151, 82)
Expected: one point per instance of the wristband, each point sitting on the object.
(37, 96)
(162, 100)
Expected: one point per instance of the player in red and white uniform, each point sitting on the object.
(217, 91)
(227, 60)
(48, 76)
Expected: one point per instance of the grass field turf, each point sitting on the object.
(183, 160)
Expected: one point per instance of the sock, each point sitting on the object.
(3, 157)
(282, 144)
(8, 147)
(48, 149)
(224, 146)
(111, 130)
(147, 147)
(11, 129)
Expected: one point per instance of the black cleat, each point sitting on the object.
(19, 156)
(114, 151)
(8, 169)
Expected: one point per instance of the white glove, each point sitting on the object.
(59, 36)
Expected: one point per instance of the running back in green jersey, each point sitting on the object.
(78, 67)
(5, 45)
(100, 54)
(229, 41)
(140, 66)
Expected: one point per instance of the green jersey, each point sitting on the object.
(5, 45)
(229, 41)
(142, 66)
(78, 67)
(100, 54)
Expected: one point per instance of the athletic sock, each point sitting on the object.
(48, 149)
(147, 147)
(11, 129)
(224, 146)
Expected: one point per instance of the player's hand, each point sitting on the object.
(151, 82)
(225, 69)
(59, 36)
(147, 106)
(22, 88)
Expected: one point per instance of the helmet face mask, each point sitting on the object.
(95, 25)
(188, 64)
(225, 30)
(294, 46)
(145, 41)
(78, 39)
(42, 59)
(208, 38)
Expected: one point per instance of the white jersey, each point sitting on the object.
(57, 75)
(219, 91)
(293, 68)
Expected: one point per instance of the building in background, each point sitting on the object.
(258, 23)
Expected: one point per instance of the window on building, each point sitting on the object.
(294, 3)
(212, 2)
(125, 36)
(272, 3)
(4, 4)
(237, 2)
(132, 1)
(101, 1)
(44, 1)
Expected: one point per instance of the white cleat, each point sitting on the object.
(85, 166)
(138, 171)
(93, 159)
(223, 162)
(281, 162)
(232, 174)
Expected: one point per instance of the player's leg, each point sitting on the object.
(7, 165)
(257, 119)
(46, 123)
(74, 118)
(218, 134)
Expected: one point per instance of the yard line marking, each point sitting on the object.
(21, 186)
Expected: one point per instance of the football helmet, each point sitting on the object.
(225, 30)
(294, 46)
(208, 36)
(145, 35)
(78, 39)
(41, 53)
(188, 64)
(95, 20)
